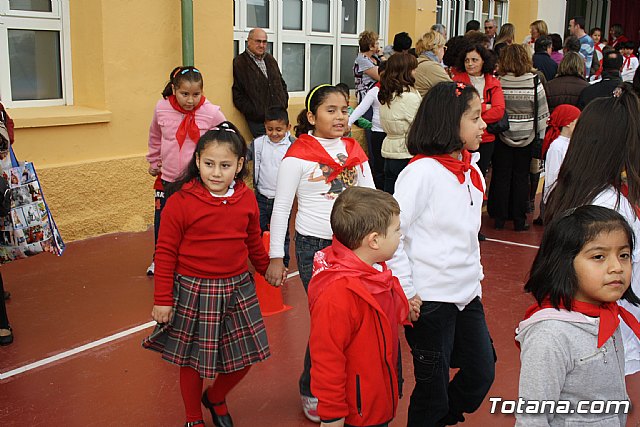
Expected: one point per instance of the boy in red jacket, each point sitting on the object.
(356, 307)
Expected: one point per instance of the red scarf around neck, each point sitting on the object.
(306, 147)
(188, 125)
(607, 312)
(456, 167)
(627, 61)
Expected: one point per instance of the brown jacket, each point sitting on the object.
(253, 93)
(564, 90)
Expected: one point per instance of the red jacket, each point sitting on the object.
(353, 373)
(207, 237)
(492, 95)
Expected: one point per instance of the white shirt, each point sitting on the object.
(628, 71)
(439, 254)
(267, 163)
(553, 161)
(370, 99)
(478, 82)
(306, 179)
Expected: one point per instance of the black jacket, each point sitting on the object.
(543, 62)
(604, 88)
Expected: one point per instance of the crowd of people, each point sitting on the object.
(388, 235)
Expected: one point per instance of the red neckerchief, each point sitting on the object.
(627, 61)
(607, 312)
(188, 125)
(624, 189)
(306, 147)
(456, 167)
(562, 116)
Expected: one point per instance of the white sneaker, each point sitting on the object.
(152, 268)
(310, 408)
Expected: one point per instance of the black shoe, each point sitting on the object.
(218, 420)
(194, 423)
(7, 295)
(499, 224)
(538, 221)
(481, 237)
(7, 339)
(521, 227)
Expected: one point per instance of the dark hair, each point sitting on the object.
(397, 77)
(436, 127)
(454, 45)
(594, 29)
(224, 133)
(314, 99)
(572, 43)
(598, 155)
(488, 58)
(556, 42)
(612, 60)
(627, 45)
(345, 87)
(617, 30)
(401, 42)
(579, 21)
(179, 75)
(476, 37)
(278, 114)
(636, 82)
(542, 43)
(472, 25)
(552, 274)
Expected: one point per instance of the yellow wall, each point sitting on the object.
(521, 14)
(413, 16)
(94, 175)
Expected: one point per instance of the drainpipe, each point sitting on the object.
(187, 32)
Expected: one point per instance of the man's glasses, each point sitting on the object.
(488, 28)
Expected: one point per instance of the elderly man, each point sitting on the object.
(490, 29)
(257, 82)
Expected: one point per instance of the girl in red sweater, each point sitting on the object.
(209, 321)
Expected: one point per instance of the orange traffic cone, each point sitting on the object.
(270, 297)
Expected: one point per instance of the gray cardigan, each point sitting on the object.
(560, 361)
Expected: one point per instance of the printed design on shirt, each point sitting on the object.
(345, 179)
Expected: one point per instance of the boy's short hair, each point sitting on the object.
(627, 45)
(278, 114)
(359, 211)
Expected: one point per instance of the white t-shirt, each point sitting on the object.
(553, 161)
(306, 180)
(268, 163)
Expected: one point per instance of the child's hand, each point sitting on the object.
(153, 171)
(162, 313)
(276, 273)
(414, 308)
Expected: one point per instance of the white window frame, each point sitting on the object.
(448, 5)
(56, 20)
(306, 36)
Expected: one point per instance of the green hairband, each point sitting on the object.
(313, 93)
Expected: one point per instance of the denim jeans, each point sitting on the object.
(306, 248)
(266, 209)
(444, 337)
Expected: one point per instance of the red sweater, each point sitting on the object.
(492, 95)
(352, 344)
(207, 237)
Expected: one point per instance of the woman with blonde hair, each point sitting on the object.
(506, 36)
(536, 29)
(566, 87)
(430, 50)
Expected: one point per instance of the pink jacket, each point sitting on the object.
(163, 146)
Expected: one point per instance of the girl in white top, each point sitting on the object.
(440, 194)
(601, 168)
(320, 164)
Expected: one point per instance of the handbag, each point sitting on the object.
(536, 144)
(500, 126)
(28, 229)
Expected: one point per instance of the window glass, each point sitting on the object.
(347, 60)
(321, 16)
(485, 10)
(257, 13)
(34, 64)
(439, 12)
(321, 65)
(372, 16)
(469, 6)
(31, 5)
(497, 12)
(349, 16)
(293, 66)
(292, 15)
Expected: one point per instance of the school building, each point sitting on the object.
(81, 77)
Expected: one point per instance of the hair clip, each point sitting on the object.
(224, 126)
(617, 92)
(313, 93)
(186, 70)
(459, 88)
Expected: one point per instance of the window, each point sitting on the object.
(455, 13)
(34, 40)
(314, 41)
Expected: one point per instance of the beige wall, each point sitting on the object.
(413, 16)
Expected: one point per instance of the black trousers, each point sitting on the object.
(376, 161)
(509, 189)
(486, 153)
(392, 168)
(4, 320)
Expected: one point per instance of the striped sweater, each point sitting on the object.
(519, 101)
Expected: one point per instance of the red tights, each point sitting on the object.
(191, 387)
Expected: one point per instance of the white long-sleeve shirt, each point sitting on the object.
(369, 100)
(306, 179)
(439, 254)
(629, 70)
(553, 161)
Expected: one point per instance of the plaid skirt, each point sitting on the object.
(216, 327)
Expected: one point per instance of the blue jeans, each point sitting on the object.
(266, 209)
(306, 248)
(444, 337)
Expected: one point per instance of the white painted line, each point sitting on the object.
(507, 242)
(88, 346)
